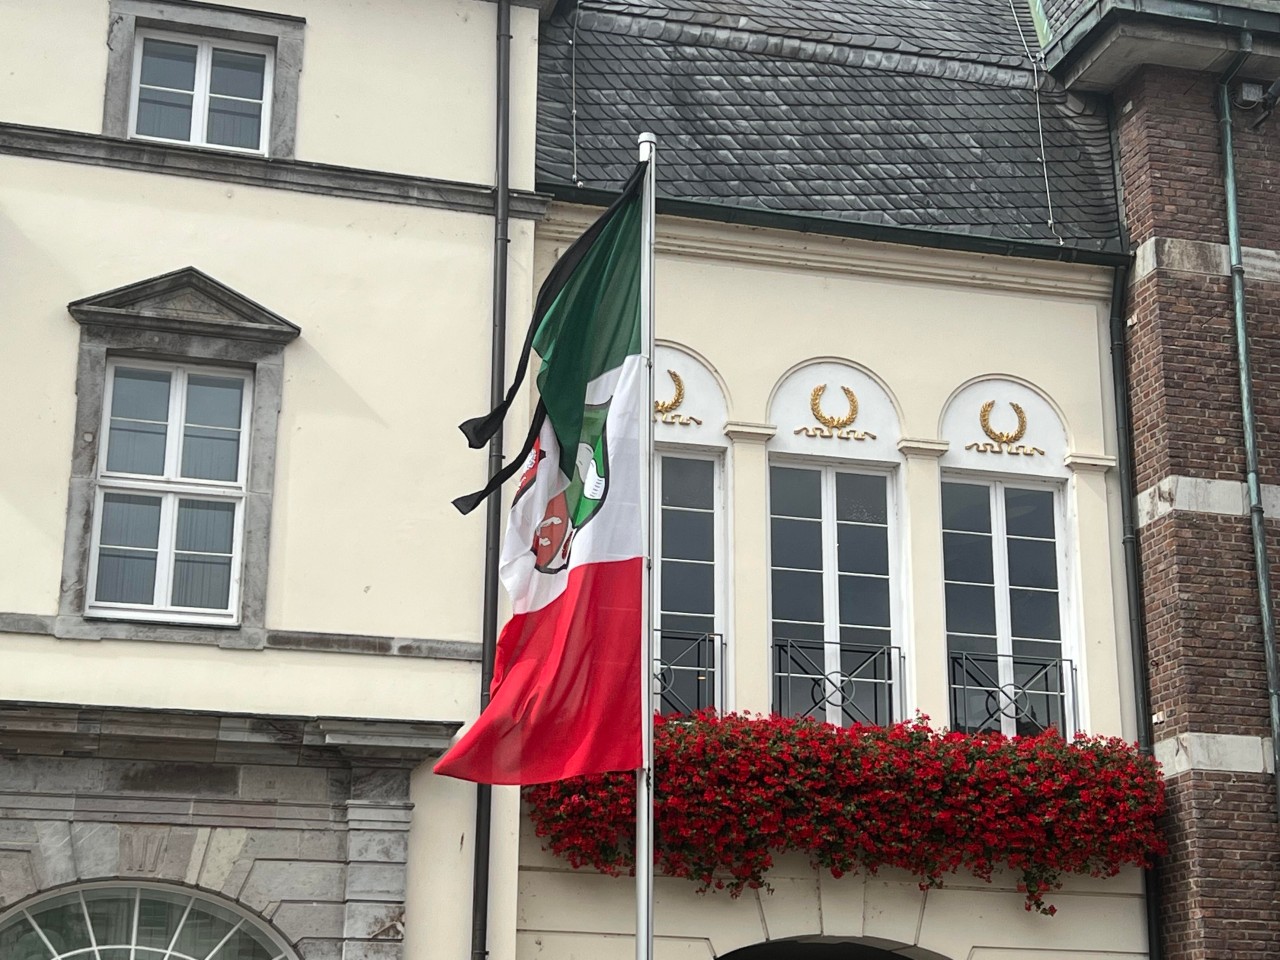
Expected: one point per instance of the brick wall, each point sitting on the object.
(1220, 884)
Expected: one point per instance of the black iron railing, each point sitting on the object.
(1010, 693)
(807, 683)
(688, 671)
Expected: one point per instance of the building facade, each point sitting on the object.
(249, 256)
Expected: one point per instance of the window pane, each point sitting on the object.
(19, 941)
(688, 483)
(966, 506)
(1028, 513)
(134, 447)
(111, 913)
(205, 527)
(238, 74)
(126, 576)
(688, 535)
(235, 123)
(784, 633)
(860, 498)
(210, 453)
(1033, 563)
(130, 521)
(200, 580)
(162, 113)
(967, 557)
(1035, 614)
(168, 64)
(686, 625)
(214, 401)
(158, 917)
(864, 601)
(688, 587)
(862, 549)
(140, 394)
(970, 609)
(958, 643)
(795, 493)
(206, 925)
(797, 596)
(63, 923)
(796, 543)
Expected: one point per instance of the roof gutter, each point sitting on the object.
(826, 226)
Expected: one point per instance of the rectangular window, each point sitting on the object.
(211, 93)
(170, 501)
(831, 557)
(690, 650)
(1004, 607)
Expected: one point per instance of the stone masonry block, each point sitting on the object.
(310, 919)
(374, 921)
(220, 856)
(96, 849)
(54, 862)
(379, 846)
(275, 881)
(298, 784)
(375, 881)
(372, 950)
(17, 879)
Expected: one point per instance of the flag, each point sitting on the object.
(565, 698)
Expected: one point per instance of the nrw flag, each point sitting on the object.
(566, 684)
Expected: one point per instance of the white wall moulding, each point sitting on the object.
(812, 253)
(742, 431)
(1224, 498)
(832, 409)
(997, 425)
(299, 176)
(920, 447)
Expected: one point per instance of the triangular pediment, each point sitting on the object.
(185, 301)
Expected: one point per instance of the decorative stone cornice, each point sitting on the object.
(275, 173)
(781, 249)
(921, 447)
(199, 735)
(742, 431)
(1089, 462)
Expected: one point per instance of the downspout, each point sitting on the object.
(1257, 518)
(493, 507)
(1133, 570)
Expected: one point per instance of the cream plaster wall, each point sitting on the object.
(396, 85)
(393, 303)
(756, 304)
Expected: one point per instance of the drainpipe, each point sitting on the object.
(493, 507)
(1132, 571)
(1248, 414)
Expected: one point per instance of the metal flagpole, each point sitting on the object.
(644, 776)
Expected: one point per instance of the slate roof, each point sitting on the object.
(892, 113)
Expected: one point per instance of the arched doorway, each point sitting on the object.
(131, 921)
(816, 950)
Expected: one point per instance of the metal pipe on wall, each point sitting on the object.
(1257, 517)
(493, 507)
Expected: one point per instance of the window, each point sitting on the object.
(206, 92)
(691, 650)
(1002, 565)
(171, 486)
(135, 923)
(831, 557)
(203, 74)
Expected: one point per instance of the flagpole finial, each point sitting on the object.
(651, 138)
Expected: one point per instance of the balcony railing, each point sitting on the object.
(1012, 694)
(688, 674)
(860, 690)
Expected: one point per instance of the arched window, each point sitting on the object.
(834, 556)
(134, 922)
(1005, 561)
(689, 418)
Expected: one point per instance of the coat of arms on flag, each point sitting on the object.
(565, 693)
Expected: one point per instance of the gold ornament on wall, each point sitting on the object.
(664, 410)
(836, 428)
(1003, 441)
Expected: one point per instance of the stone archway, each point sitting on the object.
(826, 949)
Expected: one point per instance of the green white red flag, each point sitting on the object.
(565, 698)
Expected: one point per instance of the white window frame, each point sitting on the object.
(830, 573)
(719, 504)
(1064, 548)
(200, 96)
(170, 487)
